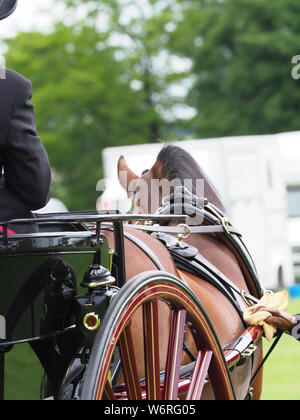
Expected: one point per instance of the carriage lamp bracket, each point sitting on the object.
(90, 308)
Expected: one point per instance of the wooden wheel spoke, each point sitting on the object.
(199, 375)
(129, 367)
(151, 349)
(108, 393)
(155, 309)
(174, 354)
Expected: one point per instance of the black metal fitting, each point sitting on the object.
(97, 276)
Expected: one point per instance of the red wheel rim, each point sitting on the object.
(210, 358)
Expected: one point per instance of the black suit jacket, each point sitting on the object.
(25, 184)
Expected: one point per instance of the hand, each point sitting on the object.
(279, 318)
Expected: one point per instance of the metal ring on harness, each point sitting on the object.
(182, 236)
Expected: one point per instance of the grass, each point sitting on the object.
(282, 369)
(23, 374)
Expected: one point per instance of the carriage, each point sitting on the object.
(138, 306)
(66, 294)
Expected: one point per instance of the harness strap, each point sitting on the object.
(212, 216)
(237, 245)
(187, 258)
(206, 218)
(280, 334)
(140, 244)
(182, 230)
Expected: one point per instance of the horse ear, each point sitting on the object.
(125, 174)
(157, 170)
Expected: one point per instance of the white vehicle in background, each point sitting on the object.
(247, 173)
(54, 206)
(289, 144)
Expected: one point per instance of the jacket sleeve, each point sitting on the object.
(26, 164)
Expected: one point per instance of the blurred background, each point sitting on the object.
(221, 77)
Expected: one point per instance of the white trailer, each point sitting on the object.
(247, 172)
(289, 144)
(54, 206)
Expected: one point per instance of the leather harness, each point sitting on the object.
(188, 258)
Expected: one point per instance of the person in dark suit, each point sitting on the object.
(24, 166)
(25, 181)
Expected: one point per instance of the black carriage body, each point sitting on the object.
(27, 265)
(27, 262)
(44, 300)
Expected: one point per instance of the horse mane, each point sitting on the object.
(178, 164)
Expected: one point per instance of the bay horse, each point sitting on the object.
(174, 163)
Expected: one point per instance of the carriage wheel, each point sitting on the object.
(145, 291)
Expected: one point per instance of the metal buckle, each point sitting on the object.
(249, 351)
(223, 220)
(225, 224)
(245, 299)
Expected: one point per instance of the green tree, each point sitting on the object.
(104, 80)
(146, 24)
(241, 52)
(83, 103)
(141, 29)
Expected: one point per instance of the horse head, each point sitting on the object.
(173, 167)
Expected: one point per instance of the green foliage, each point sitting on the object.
(242, 53)
(95, 85)
(83, 103)
(108, 79)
